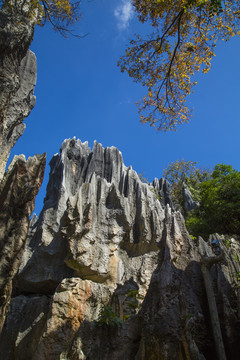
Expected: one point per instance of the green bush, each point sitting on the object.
(219, 199)
(108, 317)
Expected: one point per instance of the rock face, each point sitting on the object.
(104, 238)
(17, 195)
(96, 215)
(19, 186)
(17, 74)
(189, 203)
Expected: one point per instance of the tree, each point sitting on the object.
(219, 209)
(184, 172)
(182, 43)
(60, 13)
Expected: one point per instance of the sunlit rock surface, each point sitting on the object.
(99, 222)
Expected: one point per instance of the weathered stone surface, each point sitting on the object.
(98, 218)
(189, 203)
(173, 322)
(20, 185)
(17, 195)
(75, 300)
(104, 235)
(180, 312)
(105, 343)
(162, 191)
(17, 74)
(24, 326)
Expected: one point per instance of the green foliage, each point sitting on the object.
(227, 242)
(133, 297)
(237, 276)
(181, 171)
(217, 192)
(108, 317)
(132, 293)
(132, 304)
(236, 257)
(219, 209)
(126, 317)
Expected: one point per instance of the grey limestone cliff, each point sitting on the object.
(18, 190)
(103, 235)
(17, 74)
(20, 184)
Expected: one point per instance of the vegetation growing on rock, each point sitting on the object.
(217, 193)
(219, 209)
(185, 172)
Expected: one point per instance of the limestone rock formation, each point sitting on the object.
(19, 186)
(17, 74)
(26, 330)
(17, 195)
(96, 214)
(188, 202)
(104, 238)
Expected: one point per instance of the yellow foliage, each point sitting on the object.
(185, 35)
(60, 13)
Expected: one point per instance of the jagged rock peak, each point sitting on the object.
(78, 164)
(96, 212)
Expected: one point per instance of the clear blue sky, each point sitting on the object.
(81, 92)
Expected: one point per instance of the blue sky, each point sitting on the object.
(81, 92)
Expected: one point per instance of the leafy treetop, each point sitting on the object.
(219, 209)
(182, 43)
(179, 172)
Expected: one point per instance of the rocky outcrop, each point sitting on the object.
(27, 316)
(104, 238)
(19, 186)
(17, 73)
(97, 214)
(17, 195)
(189, 203)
